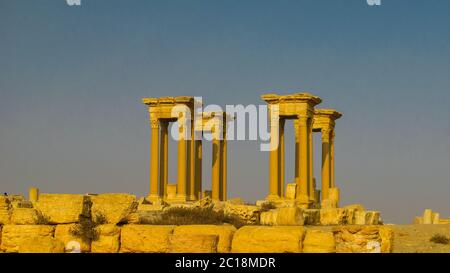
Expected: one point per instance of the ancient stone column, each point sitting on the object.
(281, 160)
(154, 159)
(198, 168)
(325, 163)
(191, 163)
(216, 169)
(182, 164)
(297, 145)
(312, 188)
(224, 170)
(33, 194)
(273, 158)
(428, 216)
(303, 166)
(332, 135)
(164, 159)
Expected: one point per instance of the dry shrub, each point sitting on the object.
(439, 239)
(195, 216)
(85, 228)
(267, 206)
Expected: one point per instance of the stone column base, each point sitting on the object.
(154, 198)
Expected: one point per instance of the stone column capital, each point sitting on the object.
(302, 121)
(154, 123)
(326, 134)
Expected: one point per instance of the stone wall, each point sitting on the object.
(197, 238)
(115, 222)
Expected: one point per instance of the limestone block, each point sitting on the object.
(63, 233)
(428, 216)
(14, 236)
(372, 217)
(328, 204)
(363, 239)
(204, 203)
(333, 216)
(311, 216)
(145, 238)
(261, 203)
(25, 216)
(387, 239)
(63, 208)
(290, 217)
(360, 217)
(356, 207)
(350, 216)
(366, 218)
(193, 243)
(247, 213)
(42, 245)
(435, 218)
(107, 239)
(291, 191)
(171, 191)
(113, 207)
(4, 210)
(262, 239)
(33, 194)
(225, 234)
(444, 221)
(269, 218)
(418, 220)
(318, 241)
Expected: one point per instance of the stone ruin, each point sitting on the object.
(45, 223)
(286, 220)
(430, 217)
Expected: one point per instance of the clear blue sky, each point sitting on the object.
(71, 80)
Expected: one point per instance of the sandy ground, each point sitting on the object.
(416, 238)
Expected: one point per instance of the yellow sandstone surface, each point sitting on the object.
(63, 234)
(193, 243)
(15, 236)
(269, 218)
(247, 213)
(290, 217)
(25, 216)
(363, 239)
(318, 241)
(63, 208)
(225, 234)
(115, 207)
(107, 239)
(4, 210)
(333, 216)
(262, 239)
(42, 245)
(145, 238)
